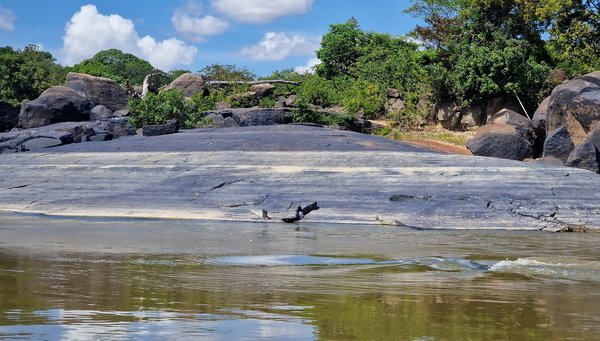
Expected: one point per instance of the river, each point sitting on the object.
(90, 279)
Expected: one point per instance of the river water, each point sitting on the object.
(90, 279)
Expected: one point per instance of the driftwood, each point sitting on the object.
(301, 213)
(273, 81)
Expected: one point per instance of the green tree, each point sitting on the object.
(340, 49)
(124, 68)
(26, 74)
(227, 72)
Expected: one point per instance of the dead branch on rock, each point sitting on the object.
(301, 213)
(272, 81)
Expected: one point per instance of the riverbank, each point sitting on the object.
(232, 174)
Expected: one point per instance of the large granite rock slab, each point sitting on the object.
(234, 173)
(56, 104)
(102, 91)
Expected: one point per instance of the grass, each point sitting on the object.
(435, 133)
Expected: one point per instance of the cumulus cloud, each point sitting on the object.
(260, 11)
(89, 32)
(278, 46)
(309, 68)
(7, 19)
(190, 22)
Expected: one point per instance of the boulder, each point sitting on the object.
(56, 104)
(559, 144)
(222, 105)
(394, 105)
(585, 156)
(117, 126)
(280, 104)
(40, 143)
(121, 113)
(448, 115)
(218, 121)
(495, 105)
(189, 84)
(171, 127)
(538, 124)
(594, 138)
(263, 90)
(100, 112)
(392, 93)
(510, 117)
(502, 141)
(575, 104)
(291, 101)
(244, 100)
(100, 90)
(262, 117)
(472, 117)
(9, 117)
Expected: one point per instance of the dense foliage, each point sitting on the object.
(26, 74)
(124, 68)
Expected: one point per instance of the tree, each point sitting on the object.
(124, 68)
(228, 72)
(26, 74)
(340, 49)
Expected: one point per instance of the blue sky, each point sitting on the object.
(263, 35)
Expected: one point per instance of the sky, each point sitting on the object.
(262, 35)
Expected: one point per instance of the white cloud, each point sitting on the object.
(7, 19)
(89, 32)
(261, 11)
(278, 46)
(309, 68)
(189, 22)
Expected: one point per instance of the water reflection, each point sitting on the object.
(342, 283)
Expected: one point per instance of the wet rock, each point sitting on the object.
(502, 141)
(100, 112)
(100, 90)
(56, 104)
(171, 127)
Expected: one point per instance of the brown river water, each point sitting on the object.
(92, 279)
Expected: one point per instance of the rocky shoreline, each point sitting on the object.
(232, 174)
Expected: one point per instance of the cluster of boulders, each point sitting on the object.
(565, 129)
(451, 116)
(86, 108)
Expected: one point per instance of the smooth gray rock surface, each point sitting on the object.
(234, 173)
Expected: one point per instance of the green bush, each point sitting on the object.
(267, 102)
(161, 107)
(318, 91)
(303, 114)
(365, 97)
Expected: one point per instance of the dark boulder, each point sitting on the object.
(9, 117)
(510, 117)
(102, 91)
(579, 99)
(171, 127)
(502, 141)
(117, 127)
(495, 105)
(261, 117)
(189, 84)
(538, 124)
(100, 112)
(56, 104)
(585, 156)
(559, 144)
